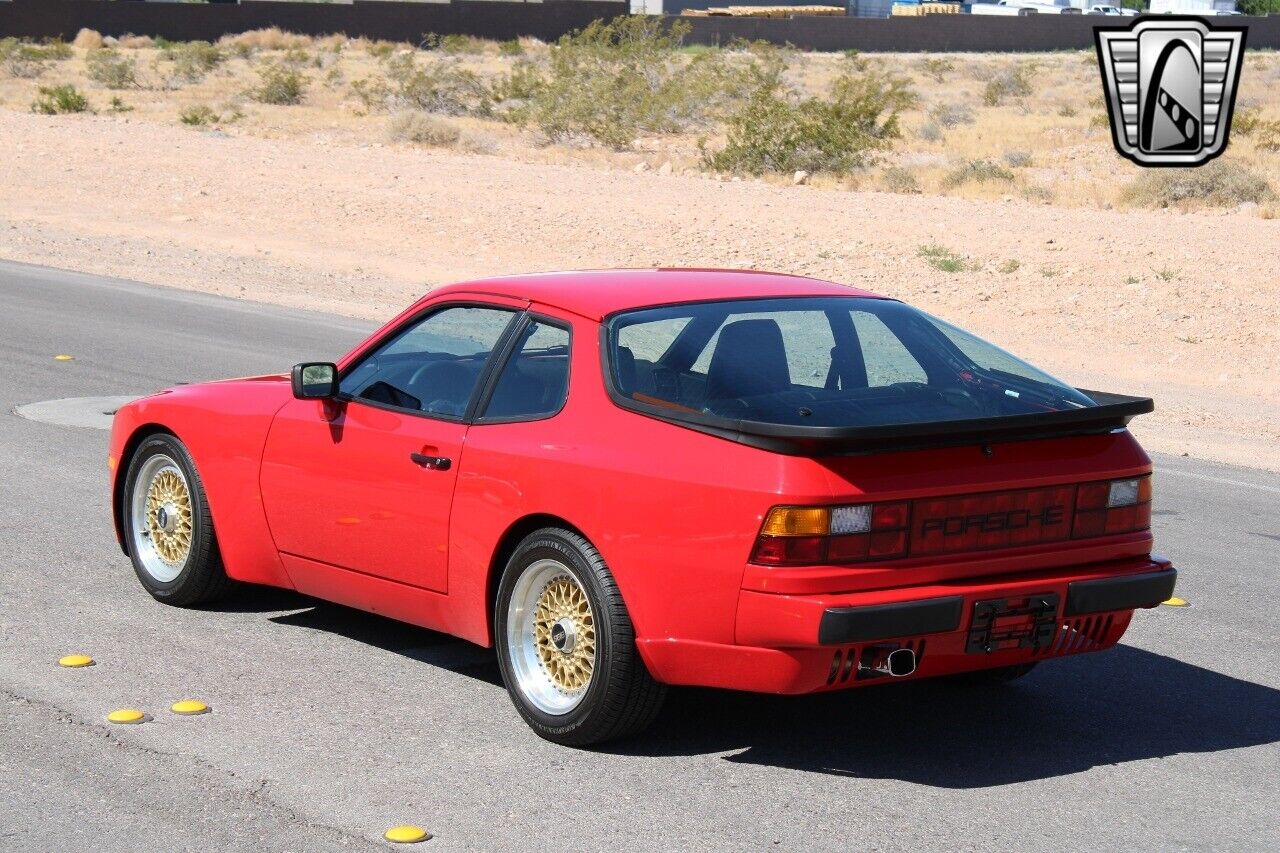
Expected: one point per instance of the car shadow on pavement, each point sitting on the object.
(420, 644)
(1066, 717)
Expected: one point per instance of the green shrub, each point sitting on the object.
(610, 82)
(1007, 83)
(942, 259)
(1017, 159)
(510, 48)
(1216, 184)
(56, 100)
(774, 133)
(198, 115)
(280, 85)
(118, 105)
(22, 59)
(439, 86)
(938, 69)
(192, 60)
(113, 70)
(977, 172)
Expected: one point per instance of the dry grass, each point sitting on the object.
(1031, 123)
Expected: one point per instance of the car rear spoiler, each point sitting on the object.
(1113, 411)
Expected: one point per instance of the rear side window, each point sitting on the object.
(830, 361)
(534, 382)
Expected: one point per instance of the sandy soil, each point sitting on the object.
(1182, 307)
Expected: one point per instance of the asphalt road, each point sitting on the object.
(330, 725)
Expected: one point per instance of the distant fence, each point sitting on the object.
(372, 19)
(937, 33)
(550, 20)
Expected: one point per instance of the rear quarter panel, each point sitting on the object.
(224, 426)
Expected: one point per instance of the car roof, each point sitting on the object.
(595, 294)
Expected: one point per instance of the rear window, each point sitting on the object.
(844, 362)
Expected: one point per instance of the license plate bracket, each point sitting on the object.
(1028, 621)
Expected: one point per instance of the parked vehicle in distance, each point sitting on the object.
(1113, 11)
(1024, 7)
(631, 479)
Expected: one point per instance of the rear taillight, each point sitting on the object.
(1115, 506)
(806, 535)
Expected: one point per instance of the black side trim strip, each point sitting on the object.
(1122, 593)
(884, 621)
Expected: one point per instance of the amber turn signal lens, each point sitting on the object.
(797, 521)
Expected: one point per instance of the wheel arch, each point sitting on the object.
(506, 546)
(135, 440)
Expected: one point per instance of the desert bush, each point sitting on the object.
(198, 115)
(774, 133)
(1017, 159)
(87, 39)
(192, 60)
(280, 85)
(438, 86)
(950, 115)
(514, 95)
(1246, 120)
(272, 38)
(111, 68)
(21, 58)
(510, 48)
(421, 128)
(135, 42)
(941, 258)
(930, 132)
(976, 172)
(1067, 111)
(454, 43)
(613, 81)
(1266, 136)
(896, 179)
(938, 69)
(117, 105)
(1216, 184)
(1007, 83)
(56, 100)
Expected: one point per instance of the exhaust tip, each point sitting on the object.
(901, 662)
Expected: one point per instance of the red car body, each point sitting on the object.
(321, 498)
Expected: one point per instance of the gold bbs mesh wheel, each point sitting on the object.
(162, 518)
(551, 637)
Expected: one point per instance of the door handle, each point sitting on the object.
(435, 463)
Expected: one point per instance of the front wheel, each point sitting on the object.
(169, 529)
(566, 646)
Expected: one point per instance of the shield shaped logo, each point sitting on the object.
(1170, 85)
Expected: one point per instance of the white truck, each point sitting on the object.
(1024, 7)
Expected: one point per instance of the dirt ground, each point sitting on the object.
(1182, 307)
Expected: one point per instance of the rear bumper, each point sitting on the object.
(842, 625)
(805, 643)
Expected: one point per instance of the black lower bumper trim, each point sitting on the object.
(841, 625)
(1123, 593)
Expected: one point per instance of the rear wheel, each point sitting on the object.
(168, 527)
(566, 646)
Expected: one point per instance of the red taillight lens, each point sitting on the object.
(1115, 506)
(848, 534)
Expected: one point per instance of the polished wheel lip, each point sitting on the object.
(547, 594)
(161, 519)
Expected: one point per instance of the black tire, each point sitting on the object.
(621, 698)
(202, 578)
(995, 676)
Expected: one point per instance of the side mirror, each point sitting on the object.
(315, 381)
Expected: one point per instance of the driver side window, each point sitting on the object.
(433, 365)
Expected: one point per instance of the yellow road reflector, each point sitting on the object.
(64, 357)
(127, 716)
(189, 707)
(75, 661)
(406, 834)
(1177, 602)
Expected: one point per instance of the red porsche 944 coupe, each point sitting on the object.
(627, 480)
